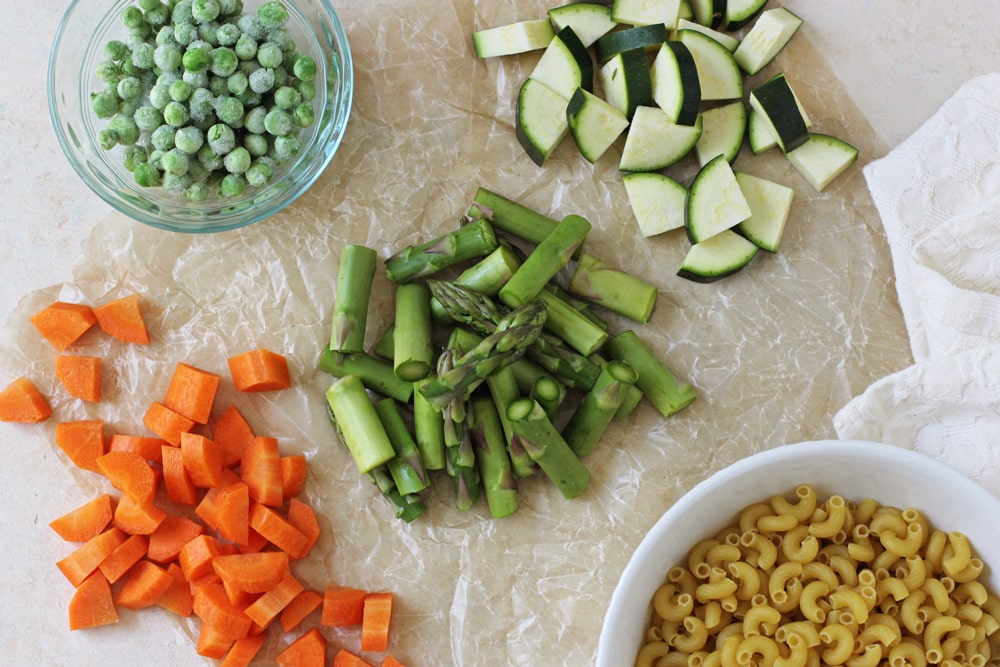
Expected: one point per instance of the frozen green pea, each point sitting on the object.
(272, 15)
(218, 85)
(307, 89)
(237, 160)
(175, 182)
(228, 34)
(230, 7)
(128, 107)
(224, 61)
(200, 104)
(132, 17)
(254, 120)
(162, 138)
(142, 56)
(259, 173)
(180, 90)
(147, 5)
(196, 170)
(196, 79)
(185, 33)
(206, 122)
(197, 191)
(232, 185)
(304, 115)
(158, 16)
(287, 97)
(128, 68)
(116, 50)
(167, 57)
(156, 158)
(237, 83)
(146, 175)
(159, 96)
(305, 68)
(278, 122)
(175, 162)
(108, 71)
(269, 55)
(250, 25)
(189, 139)
(229, 110)
(282, 39)
(281, 77)
(204, 11)
(181, 12)
(208, 158)
(286, 147)
(196, 59)
(164, 35)
(126, 129)
(245, 47)
(249, 99)
(142, 33)
(262, 80)
(175, 114)
(107, 139)
(221, 138)
(167, 78)
(133, 156)
(147, 118)
(104, 104)
(129, 88)
(256, 144)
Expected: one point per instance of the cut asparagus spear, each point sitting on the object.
(535, 433)
(412, 349)
(406, 466)
(486, 276)
(385, 345)
(376, 374)
(350, 310)
(546, 260)
(598, 407)
(511, 217)
(549, 394)
(428, 431)
(476, 239)
(604, 285)
(632, 397)
(495, 468)
(359, 423)
(571, 325)
(655, 379)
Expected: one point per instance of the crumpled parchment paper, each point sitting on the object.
(773, 351)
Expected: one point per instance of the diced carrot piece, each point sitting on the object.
(267, 607)
(80, 375)
(166, 542)
(253, 573)
(82, 441)
(196, 556)
(278, 531)
(259, 370)
(299, 609)
(309, 650)
(390, 661)
(86, 521)
(146, 447)
(180, 488)
(343, 606)
(261, 470)
(255, 542)
(345, 658)
(192, 392)
(166, 423)
(63, 323)
(303, 518)
(122, 319)
(227, 510)
(20, 401)
(234, 435)
(202, 460)
(92, 604)
(177, 598)
(213, 642)
(214, 608)
(86, 558)
(375, 622)
(243, 651)
(137, 518)
(125, 555)
(293, 474)
(241, 599)
(129, 473)
(143, 586)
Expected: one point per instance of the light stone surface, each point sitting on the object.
(875, 69)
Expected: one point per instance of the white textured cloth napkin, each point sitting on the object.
(938, 194)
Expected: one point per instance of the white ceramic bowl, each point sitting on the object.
(855, 470)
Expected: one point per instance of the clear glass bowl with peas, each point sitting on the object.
(200, 115)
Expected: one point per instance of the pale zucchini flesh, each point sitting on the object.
(594, 124)
(770, 204)
(822, 158)
(565, 64)
(715, 201)
(718, 74)
(741, 12)
(588, 20)
(728, 41)
(541, 119)
(779, 110)
(722, 255)
(513, 38)
(676, 87)
(710, 13)
(646, 12)
(765, 40)
(654, 141)
(626, 81)
(723, 130)
(657, 202)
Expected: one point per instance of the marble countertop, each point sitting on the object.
(899, 61)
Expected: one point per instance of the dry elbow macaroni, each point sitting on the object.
(804, 582)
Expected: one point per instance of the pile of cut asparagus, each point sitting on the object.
(491, 370)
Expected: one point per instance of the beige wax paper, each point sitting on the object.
(773, 351)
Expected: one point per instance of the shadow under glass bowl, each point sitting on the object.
(78, 48)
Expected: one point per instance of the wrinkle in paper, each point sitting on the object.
(773, 351)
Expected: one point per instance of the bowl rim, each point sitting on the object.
(618, 622)
(341, 108)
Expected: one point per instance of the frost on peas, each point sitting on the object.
(127, 108)
(230, 7)
(162, 138)
(157, 16)
(133, 156)
(147, 5)
(261, 80)
(116, 50)
(175, 162)
(108, 72)
(237, 83)
(229, 110)
(259, 173)
(204, 11)
(206, 32)
(237, 160)
(107, 139)
(245, 47)
(282, 39)
(159, 96)
(269, 55)
(167, 57)
(195, 58)
(196, 79)
(126, 130)
(189, 139)
(180, 90)
(250, 25)
(164, 35)
(142, 56)
(249, 99)
(286, 147)
(232, 185)
(146, 175)
(286, 97)
(272, 14)
(185, 33)
(200, 104)
(174, 183)
(254, 120)
(221, 138)
(104, 104)
(182, 12)
(132, 18)
(129, 88)
(197, 191)
(218, 85)
(209, 159)
(175, 114)
(278, 122)
(224, 61)
(147, 118)
(228, 34)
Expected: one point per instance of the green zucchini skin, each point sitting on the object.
(644, 37)
(739, 13)
(777, 101)
(691, 105)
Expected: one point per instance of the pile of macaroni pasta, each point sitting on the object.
(806, 582)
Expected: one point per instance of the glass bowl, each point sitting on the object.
(72, 78)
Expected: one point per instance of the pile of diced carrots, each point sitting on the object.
(222, 545)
